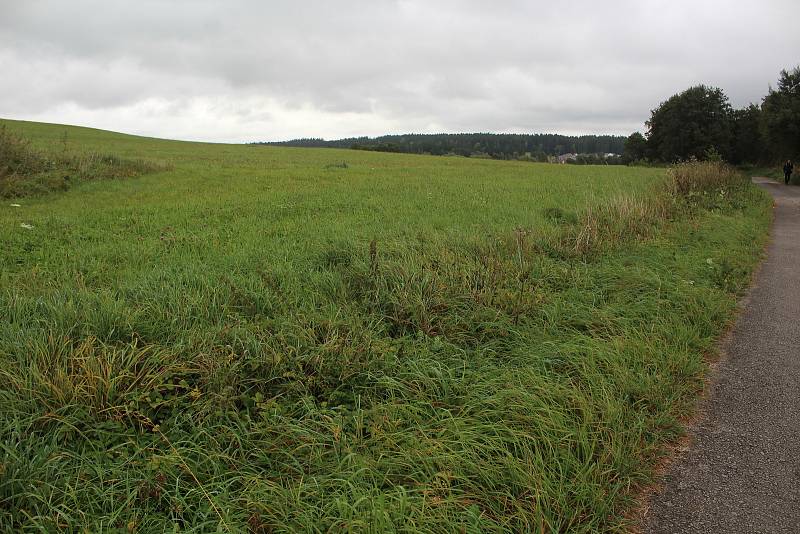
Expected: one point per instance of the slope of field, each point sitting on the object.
(285, 340)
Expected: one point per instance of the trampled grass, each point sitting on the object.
(282, 340)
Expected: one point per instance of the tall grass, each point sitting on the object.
(710, 184)
(689, 179)
(26, 170)
(17, 157)
(449, 345)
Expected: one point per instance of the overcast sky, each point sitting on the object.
(271, 70)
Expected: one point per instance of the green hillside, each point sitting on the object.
(272, 339)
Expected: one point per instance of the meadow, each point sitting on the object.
(266, 339)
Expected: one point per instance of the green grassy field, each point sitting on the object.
(296, 340)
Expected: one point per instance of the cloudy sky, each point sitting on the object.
(273, 69)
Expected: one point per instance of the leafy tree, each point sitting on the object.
(748, 142)
(635, 148)
(691, 123)
(781, 116)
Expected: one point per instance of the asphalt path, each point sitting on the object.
(741, 471)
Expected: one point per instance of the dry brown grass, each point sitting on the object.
(605, 225)
(702, 176)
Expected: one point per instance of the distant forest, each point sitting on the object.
(698, 123)
(497, 146)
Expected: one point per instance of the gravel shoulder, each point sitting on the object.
(741, 472)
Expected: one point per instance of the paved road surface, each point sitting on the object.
(741, 473)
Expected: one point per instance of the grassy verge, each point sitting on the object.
(390, 367)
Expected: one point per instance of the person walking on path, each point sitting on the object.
(787, 171)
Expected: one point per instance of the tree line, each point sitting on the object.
(700, 123)
(536, 147)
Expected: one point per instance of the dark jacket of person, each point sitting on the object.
(788, 168)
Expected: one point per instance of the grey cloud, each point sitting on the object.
(280, 69)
